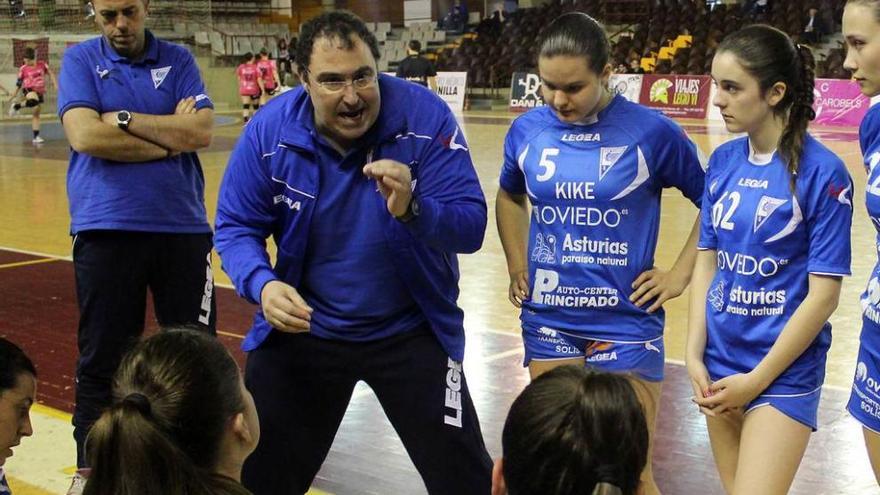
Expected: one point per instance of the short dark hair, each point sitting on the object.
(415, 46)
(13, 363)
(247, 56)
(576, 34)
(572, 429)
(30, 53)
(340, 25)
(264, 51)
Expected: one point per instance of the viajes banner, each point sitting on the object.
(627, 85)
(839, 102)
(676, 95)
(451, 87)
(525, 92)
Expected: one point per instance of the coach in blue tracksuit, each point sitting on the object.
(135, 111)
(366, 186)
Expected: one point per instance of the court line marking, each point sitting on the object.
(29, 262)
(675, 362)
(36, 253)
(233, 335)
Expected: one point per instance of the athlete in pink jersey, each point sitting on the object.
(269, 74)
(250, 85)
(32, 76)
(32, 84)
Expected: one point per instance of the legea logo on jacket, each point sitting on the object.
(291, 204)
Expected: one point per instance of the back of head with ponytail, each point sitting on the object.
(575, 431)
(771, 57)
(174, 394)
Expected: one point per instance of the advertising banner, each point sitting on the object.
(679, 96)
(839, 102)
(451, 87)
(627, 85)
(525, 92)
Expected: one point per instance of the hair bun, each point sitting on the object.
(139, 401)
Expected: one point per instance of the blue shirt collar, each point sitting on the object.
(151, 53)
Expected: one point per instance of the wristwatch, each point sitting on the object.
(123, 119)
(412, 211)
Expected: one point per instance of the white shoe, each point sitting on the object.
(12, 111)
(79, 482)
(39, 140)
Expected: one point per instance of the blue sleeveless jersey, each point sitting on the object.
(595, 194)
(767, 240)
(869, 139)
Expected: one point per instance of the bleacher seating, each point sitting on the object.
(668, 36)
(649, 30)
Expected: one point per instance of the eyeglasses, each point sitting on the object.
(360, 83)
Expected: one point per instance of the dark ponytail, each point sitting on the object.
(770, 56)
(575, 431)
(174, 394)
(791, 143)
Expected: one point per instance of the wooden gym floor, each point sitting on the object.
(38, 311)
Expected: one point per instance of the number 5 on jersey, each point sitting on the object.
(548, 166)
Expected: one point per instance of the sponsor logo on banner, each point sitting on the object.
(659, 91)
(839, 102)
(627, 85)
(451, 88)
(525, 91)
(676, 95)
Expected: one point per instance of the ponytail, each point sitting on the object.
(791, 143)
(575, 431)
(174, 395)
(131, 455)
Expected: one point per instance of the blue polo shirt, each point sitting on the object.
(349, 273)
(159, 196)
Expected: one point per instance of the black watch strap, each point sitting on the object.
(412, 211)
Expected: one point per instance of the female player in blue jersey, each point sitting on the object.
(593, 166)
(861, 27)
(774, 245)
